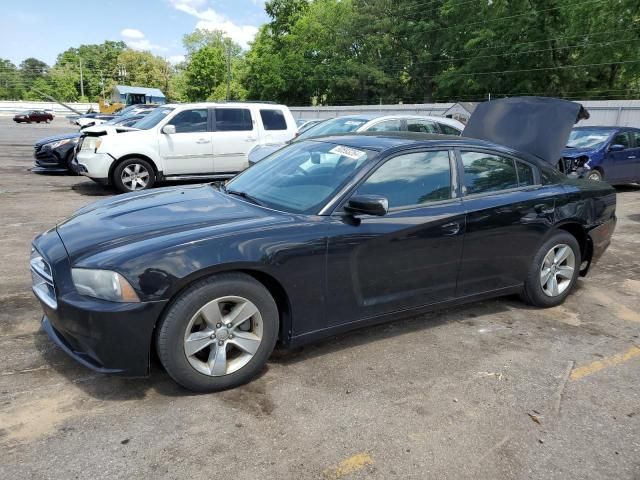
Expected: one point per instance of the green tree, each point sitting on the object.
(32, 69)
(210, 56)
(11, 87)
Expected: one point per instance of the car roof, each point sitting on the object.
(224, 104)
(381, 141)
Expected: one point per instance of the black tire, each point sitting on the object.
(595, 175)
(118, 182)
(533, 292)
(170, 336)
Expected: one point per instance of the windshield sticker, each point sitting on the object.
(348, 152)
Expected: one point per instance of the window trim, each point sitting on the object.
(463, 190)
(215, 119)
(338, 210)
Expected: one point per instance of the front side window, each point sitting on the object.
(487, 172)
(233, 120)
(411, 179)
(622, 138)
(302, 177)
(273, 119)
(421, 126)
(190, 121)
(636, 136)
(386, 126)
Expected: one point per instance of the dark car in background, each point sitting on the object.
(604, 153)
(55, 154)
(324, 236)
(33, 116)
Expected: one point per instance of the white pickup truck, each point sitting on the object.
(186, 141)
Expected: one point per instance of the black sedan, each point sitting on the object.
(325, 236)
(55, 154)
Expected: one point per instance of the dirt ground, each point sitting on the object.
(493, 390)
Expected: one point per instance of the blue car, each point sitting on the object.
(605, 153)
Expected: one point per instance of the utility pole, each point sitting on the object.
(81, 81)
(228, 71)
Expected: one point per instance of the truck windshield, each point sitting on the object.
(153, 118)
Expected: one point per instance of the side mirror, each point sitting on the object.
(368, 205)
(169, 129)
(616, 147)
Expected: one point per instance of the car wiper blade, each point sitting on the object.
(244, 195)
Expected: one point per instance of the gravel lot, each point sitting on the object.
(492, 390)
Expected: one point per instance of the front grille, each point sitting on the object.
(42, 280)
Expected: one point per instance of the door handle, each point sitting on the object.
(451, 228)
(631, 156)
(250, 139)
(203, 140)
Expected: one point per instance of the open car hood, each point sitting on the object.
(536, 125)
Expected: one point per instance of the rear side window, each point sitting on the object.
(636, 136)
(447, 130)
(411, 179)
(525, 174)
(233, 120)
(273, 119)
(486, 172)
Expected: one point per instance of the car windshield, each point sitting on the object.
(301, 177)
(590, 138)
(331, 127)
(153, 118)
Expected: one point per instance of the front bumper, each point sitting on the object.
(94, 165)
(108, 337)
(49, 161)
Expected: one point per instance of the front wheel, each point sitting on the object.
(133, 174)
(594, 175)
(553, 272)
(219, 333)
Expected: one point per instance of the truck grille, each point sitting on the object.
(42, 280)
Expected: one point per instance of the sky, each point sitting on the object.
(45, 28)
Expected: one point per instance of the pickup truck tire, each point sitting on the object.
(133, 174)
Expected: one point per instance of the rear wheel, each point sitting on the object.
(554, 271)
(219, 333)
(133, 174)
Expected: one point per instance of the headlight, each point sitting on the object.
(59, 143)
(103, 284)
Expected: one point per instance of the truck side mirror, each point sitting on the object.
(169, 129)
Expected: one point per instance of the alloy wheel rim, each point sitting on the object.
(594, 176)
(135, 176)
(557, 269)
(223, 336)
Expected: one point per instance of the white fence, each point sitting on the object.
(13, 107)
(610, 112)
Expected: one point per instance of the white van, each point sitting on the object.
(186, 141)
